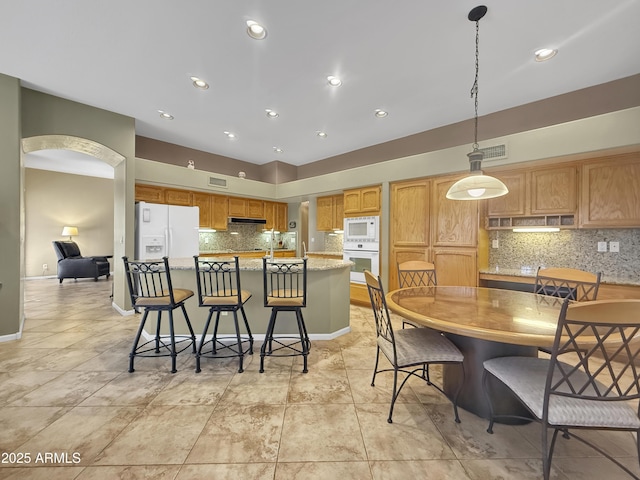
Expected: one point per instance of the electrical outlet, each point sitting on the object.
(494, 243)
(602, 246)
(614, 247)
(45, 266)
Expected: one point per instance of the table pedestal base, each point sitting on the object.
(472, 397)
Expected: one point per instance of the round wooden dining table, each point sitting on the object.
(483, 323)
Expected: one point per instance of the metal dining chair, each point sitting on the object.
(416, 273)
(219, 290)
(597, 387)
(285, 290)
(570, 283)
(408, 350)
(151, 289)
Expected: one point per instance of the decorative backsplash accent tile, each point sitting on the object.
(571, 249)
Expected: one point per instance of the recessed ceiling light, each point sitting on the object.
(381, 113)
(277, 150)
(321, 134)
(544, 54)
(334, 81)
(165, 115)
(230, 134)
(255, 30)
(199, 83)
(271, 113)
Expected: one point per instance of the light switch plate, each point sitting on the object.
(614, 247)
(602, 246)
(494, 243)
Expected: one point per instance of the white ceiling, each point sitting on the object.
(413, 58)
(68, 161)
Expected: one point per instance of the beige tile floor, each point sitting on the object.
(65, 389)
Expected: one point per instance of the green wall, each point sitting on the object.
(11, 222)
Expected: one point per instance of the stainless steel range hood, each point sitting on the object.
(253, 221)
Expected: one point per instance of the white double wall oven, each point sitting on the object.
(362, 246)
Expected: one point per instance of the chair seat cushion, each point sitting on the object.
(285, 298)
(226, 298)
(179, 295)
(526, 377)
(420, 345)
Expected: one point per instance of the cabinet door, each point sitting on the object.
(456, 267)
(610, 195)
(255, 208)
(219, 212)
(338, 212)
(324, 214)
(149, 193)
(513, 203)
(455, 222)
(553, 191)
(351, 201)
(237, 207)
(281, 217)
(178, 197)
(410, 213)
(203, 202)
(269, 216)
(370, 200)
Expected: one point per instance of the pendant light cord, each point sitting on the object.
(474, 88)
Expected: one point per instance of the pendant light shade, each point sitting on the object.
(477, 185)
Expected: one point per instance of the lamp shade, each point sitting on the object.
(69, 232)
(477, 187)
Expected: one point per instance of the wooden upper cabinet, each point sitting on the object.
(410, 213)
(281, 217)
(610, 194)
(362, 201)
(329, 213)
(514, 202)
(149, 193)
(219, 212)
(554, 191)
(178, 197)
(269, 216)
(203, 202)
(255, 208)
(454, 222)
(237, 207)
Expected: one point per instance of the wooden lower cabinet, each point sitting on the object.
(456, 266)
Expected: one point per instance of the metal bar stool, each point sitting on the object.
(151, 289)
(285, 290)
(219, 290)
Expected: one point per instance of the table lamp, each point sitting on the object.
(70, 231)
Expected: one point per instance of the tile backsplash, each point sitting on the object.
(569, 248)
(244, 237)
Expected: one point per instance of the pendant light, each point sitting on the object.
(477, 185)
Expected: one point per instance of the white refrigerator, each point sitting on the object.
(166, 230)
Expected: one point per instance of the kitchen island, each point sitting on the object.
(326, 315)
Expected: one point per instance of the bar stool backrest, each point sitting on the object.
(218, 281)
(150, 283)
(285, 282)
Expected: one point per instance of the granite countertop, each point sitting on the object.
(255, 264)
(531, 273)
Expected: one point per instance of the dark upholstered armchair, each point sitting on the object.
(71, 263)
